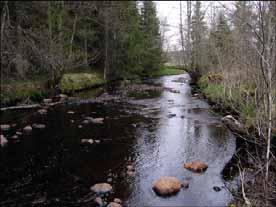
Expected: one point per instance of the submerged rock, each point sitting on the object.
(117, 200)
(101, 188)
(196, 166)
(18, 133)
(42, 111)
(5, 127)
(87, 141)
(185, 184)
(3, 140)
(113, 204)
(233, 124)
(171, 115)
(216, 188)
(39, 126)
(14, 137)
(27, 129)
(70, 112)
(99, 201)
(47, 100)
(166, 186)
(98, 120)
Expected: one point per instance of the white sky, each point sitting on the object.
(170, 10)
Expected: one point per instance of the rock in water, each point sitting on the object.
(216, 188)
(233, 124)
(101, 188)
(196, 166)
(3, 140)
(99, 201)
(39, 126)
(42, 111)
(166, 186)
(98, 120)
(113, 204)
(5, 127)
(27, 129)
(117, 200)
(185, 184)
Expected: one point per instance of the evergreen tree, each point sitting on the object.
(152, 57)
(198, 35)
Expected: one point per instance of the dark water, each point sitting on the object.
(51, 168)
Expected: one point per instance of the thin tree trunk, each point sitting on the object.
(73, 35)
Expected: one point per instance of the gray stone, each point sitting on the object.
(39, 126)
(27, 129)
(101, 188)
(3, 140)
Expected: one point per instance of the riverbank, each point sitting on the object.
(251, 148)
(30, 91)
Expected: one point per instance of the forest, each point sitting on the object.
(124, 106)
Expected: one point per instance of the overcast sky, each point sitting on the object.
(170, 11)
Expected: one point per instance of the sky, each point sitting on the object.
(170, 11)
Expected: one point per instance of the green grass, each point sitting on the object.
(235, 99)
(13, 91)
(71, 82)
(167, 70)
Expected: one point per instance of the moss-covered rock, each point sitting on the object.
(77, 81)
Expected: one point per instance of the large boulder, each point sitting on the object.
(39, 126)
(196, 166)
(101, 188)
(166, 186)
(233, 124)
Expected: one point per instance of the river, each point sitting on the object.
(155, 134)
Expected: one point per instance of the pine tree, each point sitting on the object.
(152, 57)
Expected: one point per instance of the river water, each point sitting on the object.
(155, 134)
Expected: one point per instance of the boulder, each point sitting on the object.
(70, 112)
(196, 166)
(113, 204)
(39, 126)
(5, 127)
(101, 188)
(233, 124)
(97, 141)
(166, 186)
(3, 140)
(27, 129)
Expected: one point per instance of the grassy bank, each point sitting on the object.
(238, 100)
(167, 70)
(14, 91)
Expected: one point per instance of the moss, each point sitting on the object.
(77, 81)
(167, 70)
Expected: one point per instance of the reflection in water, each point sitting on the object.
(53, 165)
